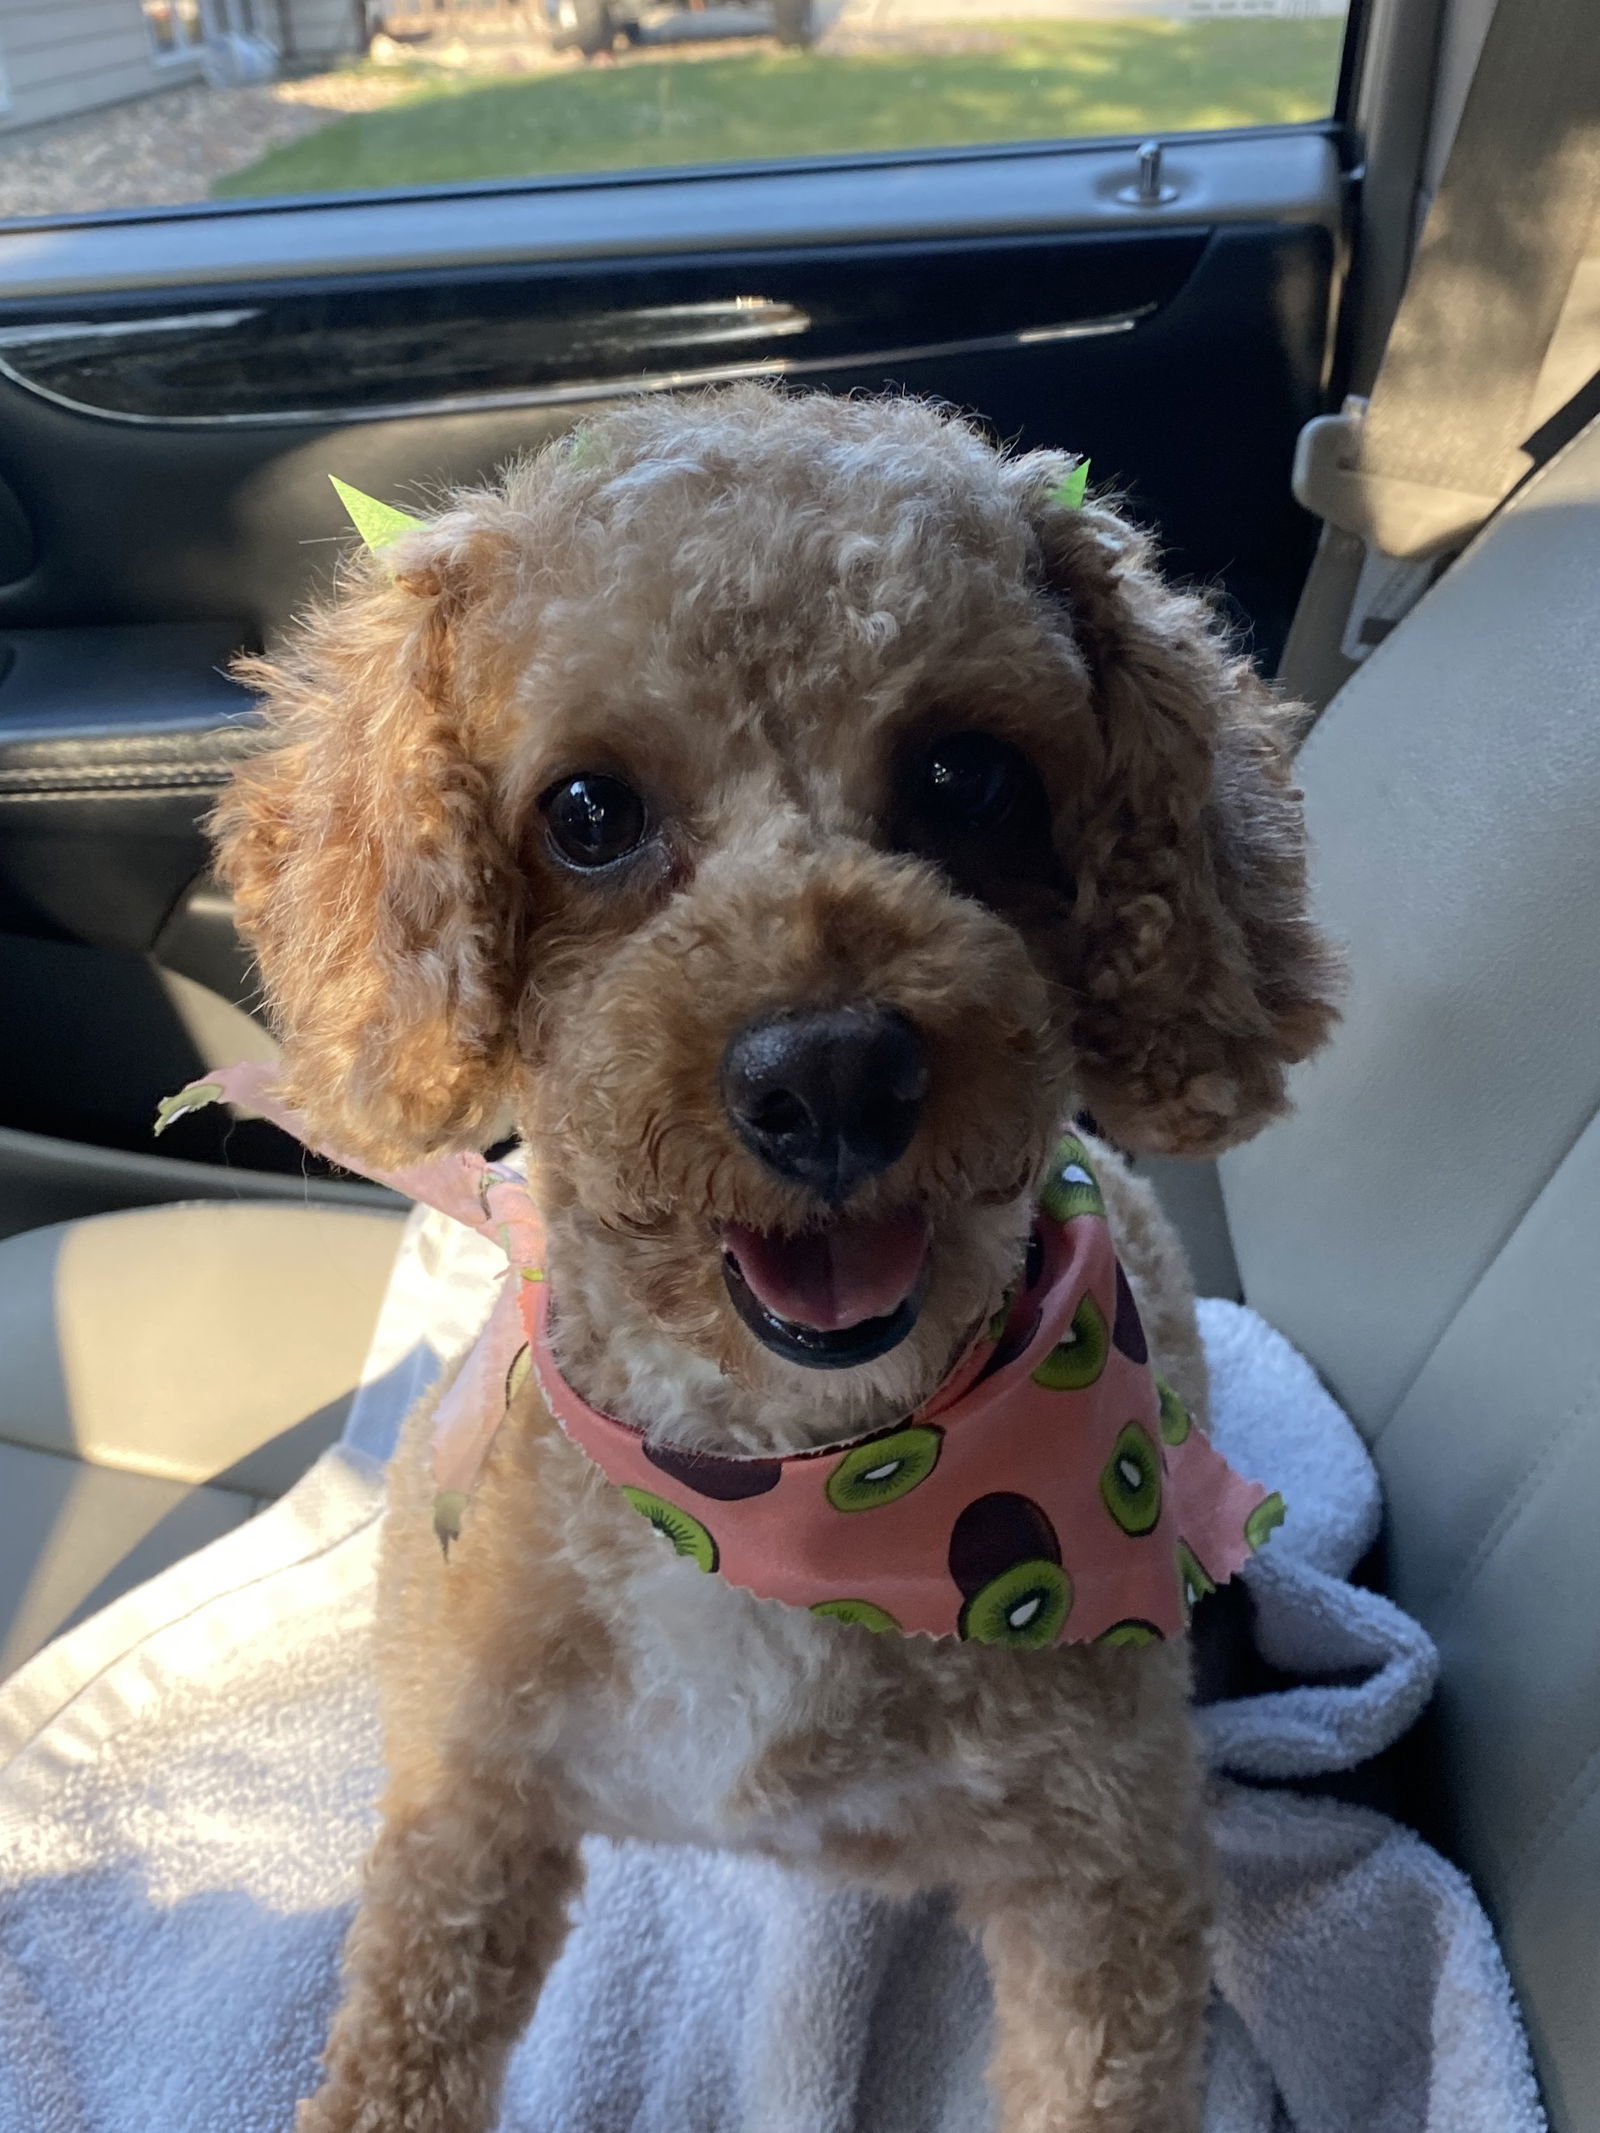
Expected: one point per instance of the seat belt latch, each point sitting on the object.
(1328, 481)
(1408, 520)
(1409, 529)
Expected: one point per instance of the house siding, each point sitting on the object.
(66, 56)
(320, 29)
(62, 57)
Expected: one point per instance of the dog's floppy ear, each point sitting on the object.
(371, 881)
(1197, 972)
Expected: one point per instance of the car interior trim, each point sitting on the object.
(1282, 175)
(576, 392)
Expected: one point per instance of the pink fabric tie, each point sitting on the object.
(1052, 1491)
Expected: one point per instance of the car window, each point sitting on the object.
(140, 103)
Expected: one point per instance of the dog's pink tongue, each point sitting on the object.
(836, 1277)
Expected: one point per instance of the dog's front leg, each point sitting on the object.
(1099, 2000)
(464, 1910)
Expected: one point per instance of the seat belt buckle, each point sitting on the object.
(1325, 479)
(1408, 520)
(1408, 530)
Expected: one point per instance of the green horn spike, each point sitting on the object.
(1071, 490)
(377, 523)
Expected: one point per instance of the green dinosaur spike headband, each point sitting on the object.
(1070, 491)
(378, 524)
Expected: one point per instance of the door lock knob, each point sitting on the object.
(1150, 189)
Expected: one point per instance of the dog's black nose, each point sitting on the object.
(829, 1097)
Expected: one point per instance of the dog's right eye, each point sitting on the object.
(594, 820)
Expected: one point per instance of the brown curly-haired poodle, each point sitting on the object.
(789, 811)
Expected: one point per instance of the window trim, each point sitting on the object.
(184, 56)
(1279, 173)
(1352, 60)
(1333, 128)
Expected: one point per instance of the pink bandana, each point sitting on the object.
(1052, 1491)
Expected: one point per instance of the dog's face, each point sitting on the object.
(794, 814)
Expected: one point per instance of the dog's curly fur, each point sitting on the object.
(752, 606)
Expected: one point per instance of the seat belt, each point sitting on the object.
(1403, 479)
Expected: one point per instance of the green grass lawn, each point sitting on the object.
(1049, 80)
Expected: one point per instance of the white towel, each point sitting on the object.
(185, 1794)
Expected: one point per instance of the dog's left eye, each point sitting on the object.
(976, 807)
(594, 820)
(972, 781)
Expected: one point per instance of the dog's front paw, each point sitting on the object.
(339, 2107)
(337, 2110)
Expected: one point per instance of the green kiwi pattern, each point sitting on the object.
(1175, 1421)
(1025, 1607)
(1075, 1363)
(687, 1536)
(1265, 1520)
(861, 1612)
(884, 1469)
(1194, 1580)
(1130, 1481)
(1131, 1632)
(1071, 1189)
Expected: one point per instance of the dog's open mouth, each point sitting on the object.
(830, 1298)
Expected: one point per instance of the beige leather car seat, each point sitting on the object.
(163, 1373)
(1426, 1227)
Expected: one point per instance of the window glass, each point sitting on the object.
(175, 27)
(242, 99)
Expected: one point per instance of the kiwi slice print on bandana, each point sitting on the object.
(1131, 1632)
(1071, 1189)
(686, 1535)
(1130, 1481)
(1265, 1520)
(861, 1612)
(1175, 1422)
(1075, 1363)
(1005, 1557)
(1194, 1581)
(884, 1469)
